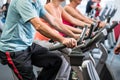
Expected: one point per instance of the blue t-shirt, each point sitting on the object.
(18, 32)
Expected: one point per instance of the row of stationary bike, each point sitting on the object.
(82, 59)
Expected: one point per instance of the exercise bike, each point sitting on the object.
(89, 70)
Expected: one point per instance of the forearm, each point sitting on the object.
(83, 18)
(58, 25)
(75, 30)
(81, 23)
(87, 20)
(77, 22)
(65, 29)
(46, 30)
(71, 19)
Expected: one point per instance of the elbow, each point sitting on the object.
(57, 24)
(37, 29)
(53, 22)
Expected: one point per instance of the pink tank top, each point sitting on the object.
(67, 23)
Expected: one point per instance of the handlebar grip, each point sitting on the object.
(90, 32)
(82, 34)
(61, 46)
(57, 47)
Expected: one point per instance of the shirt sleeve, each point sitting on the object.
(26, 10)
(42, 12)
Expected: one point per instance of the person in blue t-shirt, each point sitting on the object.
(16, 43)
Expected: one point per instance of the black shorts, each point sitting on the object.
(34, 55)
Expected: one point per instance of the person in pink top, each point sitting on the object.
(55, 9)
(71, 9)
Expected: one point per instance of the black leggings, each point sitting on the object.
(40, 57)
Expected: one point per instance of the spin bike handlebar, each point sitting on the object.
(93, 28)
(61, 46)
(97, 38)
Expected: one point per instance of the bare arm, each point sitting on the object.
(57, 24)
(73, 19)
(77, 14)
(45, 29)
(48, 32)
(60, 26)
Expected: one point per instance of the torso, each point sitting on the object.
(18, 32)
(55, 11)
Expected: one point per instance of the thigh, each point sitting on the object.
(3, 58)
(22, 62)
(42, 57)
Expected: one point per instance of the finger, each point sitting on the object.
(74, 43)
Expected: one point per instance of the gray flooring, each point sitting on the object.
(5, 73)
(114, 63)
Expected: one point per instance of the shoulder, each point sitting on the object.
(69, 8)
(47, 6)
(22, 2)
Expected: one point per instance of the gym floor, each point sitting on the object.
(114, 63)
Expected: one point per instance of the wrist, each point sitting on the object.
(61, 39)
